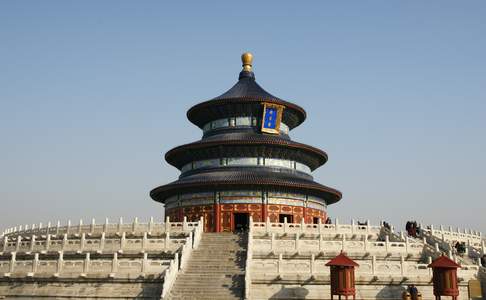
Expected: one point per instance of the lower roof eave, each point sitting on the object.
(161, 193)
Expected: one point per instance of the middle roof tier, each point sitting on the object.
(246, 144)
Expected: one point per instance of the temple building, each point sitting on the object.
(246, 164)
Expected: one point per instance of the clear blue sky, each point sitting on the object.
(93, 93)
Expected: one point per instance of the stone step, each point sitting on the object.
(203, 297)
(218, 266)
(212, 282)
(207, 292)
(215, 270)
(215, 273)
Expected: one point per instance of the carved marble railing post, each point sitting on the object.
(429, 261)
(32, 243)
(144, 262)
(120, 224)
(319, 227)
(402, 265)
(5, 243)
(86, 263)
(437, 249)
(93, 225)
(272, 241)
(58, 225)
(280, 264)
(35, 263)
(167, 225)
(144, 241)
(80, 226)
(184, 224)
(296, 242)
(312, 261)
(64, 240)
(68, 228)
(407, 244)
(105, 226)
(48, 242)
(353, 225)
(368, 226)
(123, 240)
(267, 225)
(151, 224)
(336, 224)
(102, 241)
(285, 224)
(343, 243)
(302, 225)
(60, 262)
(12, 261)
(166, 240)
(373, 264)
(114, 264)
(17, 245)
(134, 224)
(365, 242)
(320, 241)
(83, 242)
(387, 243)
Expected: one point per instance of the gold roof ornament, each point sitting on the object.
(247, 60)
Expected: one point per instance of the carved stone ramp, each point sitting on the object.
(215, 270)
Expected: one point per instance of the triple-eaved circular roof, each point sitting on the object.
(245, 98)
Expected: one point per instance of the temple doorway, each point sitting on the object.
(241, 221)
(282, 217)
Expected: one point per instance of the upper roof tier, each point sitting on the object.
(244, 99)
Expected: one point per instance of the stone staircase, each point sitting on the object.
(216, 269)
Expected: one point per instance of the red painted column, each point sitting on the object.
(181, 214)
(304, 215)
(264, 213)
(217, 218)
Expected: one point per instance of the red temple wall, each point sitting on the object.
(258, 212)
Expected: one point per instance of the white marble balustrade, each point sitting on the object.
(106, 227)
(323, 244)
(470, 237)
(81, 267)
(267, 268)
(85, 243)
(269, 227)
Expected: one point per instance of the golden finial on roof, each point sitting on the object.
(247, 60)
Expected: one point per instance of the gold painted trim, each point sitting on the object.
(280, 109)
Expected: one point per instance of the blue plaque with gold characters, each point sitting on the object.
(272, 115)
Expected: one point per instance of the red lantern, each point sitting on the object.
(445, 277)
(342, 276)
